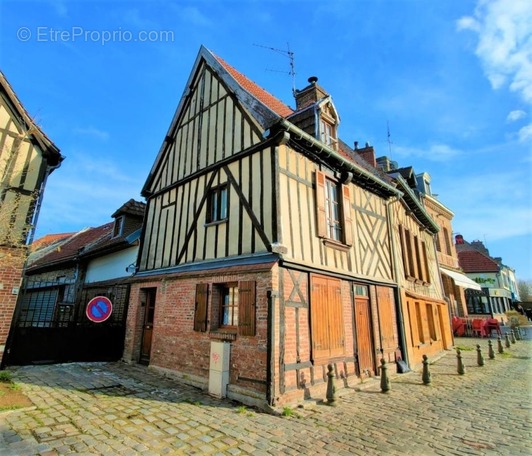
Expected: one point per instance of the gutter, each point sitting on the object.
(331, 153)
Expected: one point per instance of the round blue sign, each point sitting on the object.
(99, 309)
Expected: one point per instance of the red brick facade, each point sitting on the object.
(11, 265)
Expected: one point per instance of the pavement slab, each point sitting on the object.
(120, 409)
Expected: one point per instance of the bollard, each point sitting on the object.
(490, 350)
(512, 336)
(460, 364)
(480, 359)
(331, 390)
(507, 340)
(517, 333)
(385, 382)
(426, 374)
(499, 344)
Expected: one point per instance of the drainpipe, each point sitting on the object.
(398, 300)
(270, 349)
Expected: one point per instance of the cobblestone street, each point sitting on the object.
(118, 409)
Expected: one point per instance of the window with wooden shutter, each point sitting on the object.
(246, 309)
(200, 311)
(333, 210)
(326, 318)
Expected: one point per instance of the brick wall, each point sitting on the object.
(11, 266)
(178, 348)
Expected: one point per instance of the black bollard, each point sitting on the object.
(512, 336)
(517, 333)
(331, 390)
(480, 358)
(426, 374)
(507, 340)
(385, 381)
(490, 350)
(460, 364)
(499, 344)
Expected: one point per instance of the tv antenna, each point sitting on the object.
(389, 138)
(290, 55)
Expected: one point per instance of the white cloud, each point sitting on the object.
(92, 131)
(434, 152)
(505, 43)
(481, 204)
(515, 115)
(525, 134)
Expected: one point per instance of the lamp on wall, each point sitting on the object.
(131, 269)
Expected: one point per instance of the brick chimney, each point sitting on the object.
(459, 239)
(367, 153)
(310, 94)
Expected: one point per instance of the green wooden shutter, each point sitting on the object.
(246, 308)
(200, 312)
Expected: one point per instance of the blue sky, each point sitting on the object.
(452, 80)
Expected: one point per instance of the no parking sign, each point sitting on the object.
(99, 309)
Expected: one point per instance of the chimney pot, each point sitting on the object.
(356, 145)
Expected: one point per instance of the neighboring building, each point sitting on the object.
(453, 280)
(27, 158)
(271, 249)
(498, 290)
(60, 279)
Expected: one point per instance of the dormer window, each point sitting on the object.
(119, 226)
(327, 133)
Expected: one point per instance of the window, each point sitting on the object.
(431, 322)
(327, 133)
(447, 240)
(217, 205)
(228, 305)
(233, 307)
(415, 258)
(333, 210)
(118, 226)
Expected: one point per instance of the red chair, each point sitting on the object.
(458, 326)
(492, 324)
(477, 327)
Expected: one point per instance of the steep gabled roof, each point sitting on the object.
(271, 113)
(49, 149)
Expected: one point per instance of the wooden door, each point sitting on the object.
(389, 338)
(147, 327)
(365, 350)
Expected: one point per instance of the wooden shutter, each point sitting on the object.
(200, 312)
(321, 217)
(348, 228)
(326, 318)
(246, 308)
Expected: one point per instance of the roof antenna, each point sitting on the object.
(389, 140)
(288, 53)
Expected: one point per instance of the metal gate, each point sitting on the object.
(50, 324)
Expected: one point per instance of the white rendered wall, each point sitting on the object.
(111, 266)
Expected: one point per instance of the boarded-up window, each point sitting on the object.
(200, 312)
(246, 310)
(326, 318)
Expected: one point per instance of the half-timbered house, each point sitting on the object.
(269, 248)
(27, 158)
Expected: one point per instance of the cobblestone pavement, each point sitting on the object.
(118, 409)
